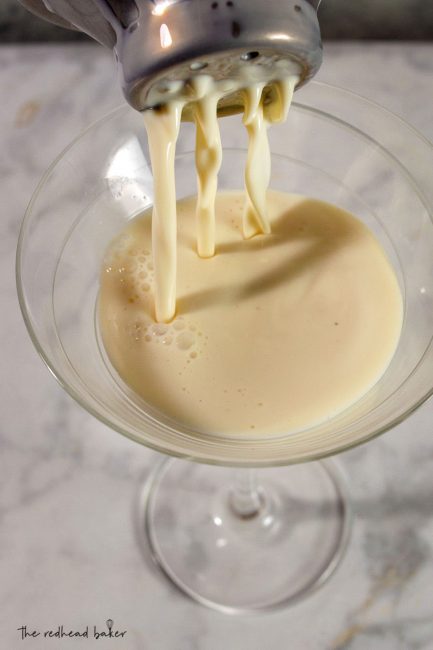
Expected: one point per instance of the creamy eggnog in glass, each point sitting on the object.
(252, 312)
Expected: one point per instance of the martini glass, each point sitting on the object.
(249, 525)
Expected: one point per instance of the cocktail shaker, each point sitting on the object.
(160, 45)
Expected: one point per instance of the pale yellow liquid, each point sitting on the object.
(272, 334)
(162, 127)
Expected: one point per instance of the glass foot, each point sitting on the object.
(242, 540)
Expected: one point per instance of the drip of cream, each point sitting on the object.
(162, 131)
(258, 166)
(257, 118)
(162, 127)
(208, 157)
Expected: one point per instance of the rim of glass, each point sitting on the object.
(305, 457)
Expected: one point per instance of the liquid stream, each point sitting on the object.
(162, 127)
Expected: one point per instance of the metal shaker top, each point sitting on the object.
(161, 44)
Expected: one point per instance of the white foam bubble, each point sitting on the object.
(159, 329)
(179, 324)
(185, 340)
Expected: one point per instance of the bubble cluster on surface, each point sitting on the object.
(180, 334)
(132, 266)
(139, 266)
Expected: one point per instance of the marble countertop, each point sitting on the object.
(68, 553)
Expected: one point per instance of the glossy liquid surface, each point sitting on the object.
(272, 334)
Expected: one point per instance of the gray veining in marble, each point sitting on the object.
(68, 485)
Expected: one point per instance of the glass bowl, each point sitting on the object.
(251, 544)
(335, 146)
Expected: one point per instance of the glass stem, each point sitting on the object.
(246, 497)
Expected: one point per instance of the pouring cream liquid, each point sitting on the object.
(271, 334)
(163, 129)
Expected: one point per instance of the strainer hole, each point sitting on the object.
(249, 56)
